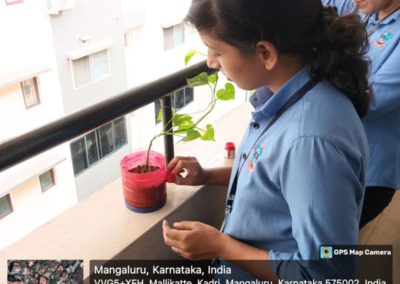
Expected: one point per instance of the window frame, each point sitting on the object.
(158, 104)
(90, 58)
(53, 180)
(36, 94)
(96, 131)
(10, 206)
(171, 45)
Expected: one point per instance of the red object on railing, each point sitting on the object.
(144, 192)
(230, 150)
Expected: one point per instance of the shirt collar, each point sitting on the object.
(267, 104)
(373, 19)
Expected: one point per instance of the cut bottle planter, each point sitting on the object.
(144, 192)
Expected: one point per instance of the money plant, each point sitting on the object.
(185, 125)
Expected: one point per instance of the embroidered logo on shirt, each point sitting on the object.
(252, 160)
(383, 39)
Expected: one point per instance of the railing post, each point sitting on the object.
(166, 107)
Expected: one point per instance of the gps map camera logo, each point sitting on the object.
(325, 252)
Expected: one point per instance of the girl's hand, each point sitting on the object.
(187, 171)
(194, 240)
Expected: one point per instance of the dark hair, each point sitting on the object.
(332, 47)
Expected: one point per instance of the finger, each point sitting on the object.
(172, 164)
(172, 237)
(165, 227)
(185, 225)
(180, 180)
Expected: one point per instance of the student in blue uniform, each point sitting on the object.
(382, 21)
(299, 177)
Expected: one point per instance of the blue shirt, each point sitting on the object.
(303, 181)
(382, 123)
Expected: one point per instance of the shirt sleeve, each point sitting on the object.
(386, 86)
(344, 6)
(323, 188)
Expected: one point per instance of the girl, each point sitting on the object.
(382, 21)
(299, 180)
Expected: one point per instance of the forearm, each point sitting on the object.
(218, 176)
(251, 259)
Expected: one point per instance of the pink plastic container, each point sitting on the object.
(144, 192)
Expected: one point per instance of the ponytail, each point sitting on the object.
(338, 54)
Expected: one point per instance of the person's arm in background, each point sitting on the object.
(386, 85)
(344, 6)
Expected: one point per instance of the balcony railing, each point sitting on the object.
(23, 147)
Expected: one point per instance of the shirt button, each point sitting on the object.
(256, 125)
(244, 156)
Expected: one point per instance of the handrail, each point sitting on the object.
(18, 149)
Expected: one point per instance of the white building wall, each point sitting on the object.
(27, 41)
(32, 207)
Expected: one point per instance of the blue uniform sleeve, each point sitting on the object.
(344, 6)
(323, 188)
(386, 86)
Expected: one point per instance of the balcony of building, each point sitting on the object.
(101, 227)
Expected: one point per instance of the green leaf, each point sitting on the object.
(209, 134)
(213, 78)
(191, 135)
(226, 94)
(159, 116)
(184, 127)
(189, 56)
(198, 80)
(178, 119)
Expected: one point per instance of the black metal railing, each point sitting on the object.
(25, 146)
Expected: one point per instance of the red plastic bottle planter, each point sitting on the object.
(144, 192)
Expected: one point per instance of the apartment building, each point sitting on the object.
(58, 57)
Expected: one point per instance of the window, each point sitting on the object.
(106, 139)
(5, 206)
(90, 68)
(179, 99)
(47, 180)
(97, 144)
(11, 2)
(133, 36)
(30, 92)
(174, 36)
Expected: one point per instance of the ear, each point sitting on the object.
(268, 54)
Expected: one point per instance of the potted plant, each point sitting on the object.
(144, 173)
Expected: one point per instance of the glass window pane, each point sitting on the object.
(92, 147)
(106, 139)
(47, 180)
(79, 156)
(81, 68)
(168, 38)
(179, 34)
(179, 99)
(120, 132)
(99, 64)
(188, 95)
(5, 206)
